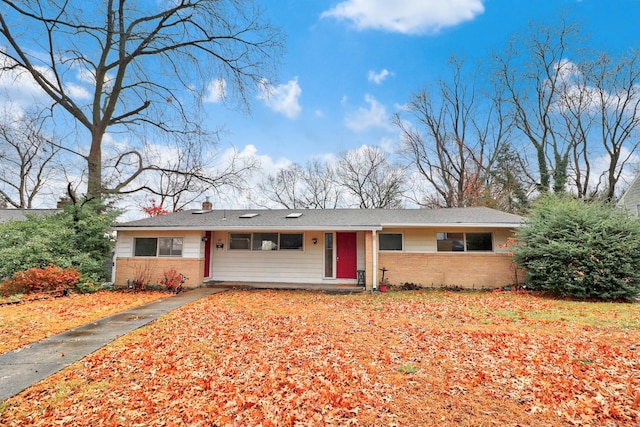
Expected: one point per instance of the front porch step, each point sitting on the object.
(333, 289)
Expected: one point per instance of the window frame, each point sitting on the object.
(254, 246)
(465, 241)
(401, 249)
(173, 252)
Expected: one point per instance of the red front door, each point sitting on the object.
(207, 255)
(346, 255)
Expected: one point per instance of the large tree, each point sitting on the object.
(295, 187)
(136, 68)
(533, 72)
(369, 179)
(452, 135)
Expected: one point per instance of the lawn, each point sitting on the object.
(433, 358)
(27, 322)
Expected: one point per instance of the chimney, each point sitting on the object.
(64, 200)
(206, 205)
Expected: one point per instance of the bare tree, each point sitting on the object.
(322, 189)
(370, 179)
(533, 72)
(128, 66)
(26, 155)
(284, 187)
(312, 187)
(616, 100)
(453, 139)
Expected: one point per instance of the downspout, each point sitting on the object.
(375, 259)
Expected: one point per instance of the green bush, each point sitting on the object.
(581, 250)
(79, 238)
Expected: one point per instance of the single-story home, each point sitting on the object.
(429, 247)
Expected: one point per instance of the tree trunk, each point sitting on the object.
(94, 165)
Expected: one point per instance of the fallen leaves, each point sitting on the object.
(25, 323)
(399, 359)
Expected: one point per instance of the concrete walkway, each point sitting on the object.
(21, 368)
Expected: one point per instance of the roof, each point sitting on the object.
(21, 214)
(319, 219)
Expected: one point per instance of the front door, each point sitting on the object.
(346, 255)
(207, 255)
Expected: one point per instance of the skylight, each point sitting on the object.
(249, 215)
(294, 215)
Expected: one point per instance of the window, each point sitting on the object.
(240, 241)
(390, 241)
(170, 246)
(460, 242)
(145, 246)
(479, 242)
(291, 241)
(266, 241)
(154, 246)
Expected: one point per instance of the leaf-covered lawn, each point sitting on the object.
(28, 322)
(250, 358)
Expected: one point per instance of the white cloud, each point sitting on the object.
(378, 78)
(77, 91)
(406, 16)
(365, 118)
(282, 98)
(216, 91)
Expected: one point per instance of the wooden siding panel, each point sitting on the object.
(286, 266)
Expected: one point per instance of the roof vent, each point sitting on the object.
(248, 215)
(294, 215)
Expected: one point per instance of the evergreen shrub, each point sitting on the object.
(575, 249)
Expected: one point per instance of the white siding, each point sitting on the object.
(305, 266)
(192, 246)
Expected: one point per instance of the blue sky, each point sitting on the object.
(349, 65)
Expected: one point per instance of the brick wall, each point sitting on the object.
(468, 270)
(127, 268)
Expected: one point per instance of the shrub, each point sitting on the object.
(581, 250)
(172, 280)
(78, 237)
(41, 280)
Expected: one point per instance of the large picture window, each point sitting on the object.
(464, 242)
(240, 241)
(266, 241)
(291, 241)
(158, 246)
(390, 241)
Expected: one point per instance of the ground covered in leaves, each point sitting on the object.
(266, 358)
(26, 322)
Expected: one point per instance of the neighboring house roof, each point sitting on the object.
(21, 214)
(340, 219)
(631, 197)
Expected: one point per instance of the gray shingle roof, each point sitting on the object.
(21, 214)
(353, 219)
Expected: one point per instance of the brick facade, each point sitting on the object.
(129, 268)
(468, 270)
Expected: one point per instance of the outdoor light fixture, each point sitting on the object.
(314, 240)
(204, 238)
